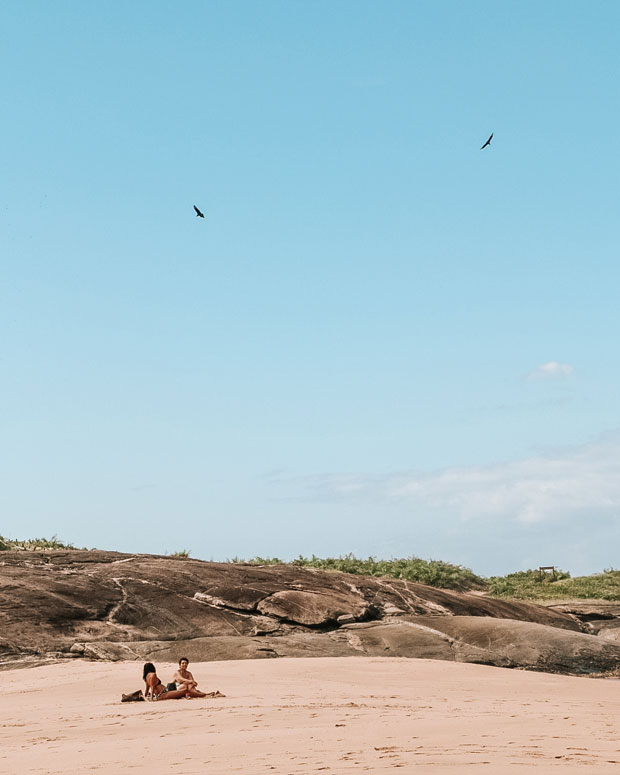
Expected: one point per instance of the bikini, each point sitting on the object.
(155, 696)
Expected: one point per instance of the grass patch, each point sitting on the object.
(33, 544)
(435, 573)
(522, 585)
(528, 585)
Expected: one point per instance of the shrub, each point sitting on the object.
(33, 544)
(435, 573)
(528, 585)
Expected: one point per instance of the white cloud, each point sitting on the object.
(561, 507)
(549, 488)
(551, 370)
(543, 488)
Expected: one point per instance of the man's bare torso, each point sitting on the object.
(184, 678)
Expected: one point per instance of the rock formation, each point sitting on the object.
(106, 605)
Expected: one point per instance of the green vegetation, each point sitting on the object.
(433, 572)
(33, 544)
(522, 585)
(530, 585)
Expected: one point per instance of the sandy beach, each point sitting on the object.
(293, 716)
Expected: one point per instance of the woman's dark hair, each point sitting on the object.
(148, 668)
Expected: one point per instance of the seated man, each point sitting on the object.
(185, 680)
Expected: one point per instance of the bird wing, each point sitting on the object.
(197, 210)
(488, 142)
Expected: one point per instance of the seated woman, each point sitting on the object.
(155, 689)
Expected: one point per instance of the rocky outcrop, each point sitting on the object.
(106, 605)
(598, 617)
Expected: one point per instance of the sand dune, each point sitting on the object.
(293, 716)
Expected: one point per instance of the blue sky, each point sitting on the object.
(380, 339)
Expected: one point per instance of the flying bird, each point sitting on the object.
(488, 142)
(198, 213)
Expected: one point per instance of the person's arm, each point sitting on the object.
(186, 681)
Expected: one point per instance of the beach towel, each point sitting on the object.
(133, 697)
